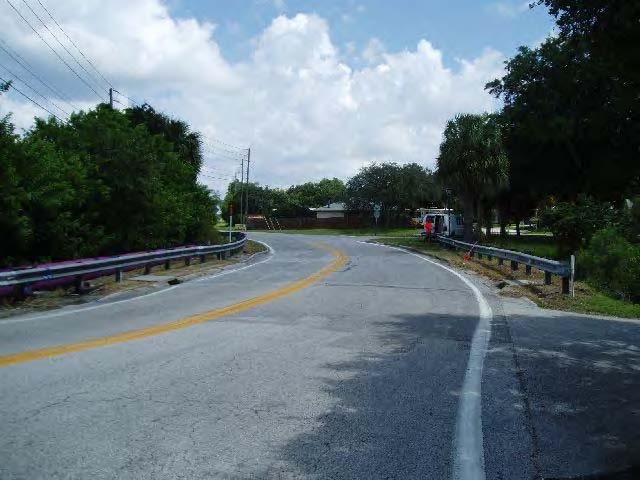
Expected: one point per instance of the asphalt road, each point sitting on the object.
(370, 371)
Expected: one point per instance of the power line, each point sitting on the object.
(128, 98)
(34, 90)
(25, 65)
(76, 46)
(53, 50)
(61, 44)
(32, 100)
(209, 149)
(238, 154)
(226, 144)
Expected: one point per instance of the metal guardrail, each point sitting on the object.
(23, 279)
(565, 270)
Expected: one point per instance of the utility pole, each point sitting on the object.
(246, 210)
(111, 97)
(242, 216)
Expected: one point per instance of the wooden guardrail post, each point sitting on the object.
(119, 275)
(547, 278)
(514, 265)
(565, 285)
(527, 269)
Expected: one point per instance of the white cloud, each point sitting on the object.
(305, 113)
(509, 9)
(372, 53)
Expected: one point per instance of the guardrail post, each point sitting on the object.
(223, 255)
(147, 269)
(514, 265)
(119, 275)
(479, 256)
(500, 261)
(565, 285)
(203, 258)
(167, 264)
(489, 257)
(527, 269)
(547, 278)
(77, 284)
(22, 290)
(187, 261)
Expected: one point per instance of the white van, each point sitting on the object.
(449, 224)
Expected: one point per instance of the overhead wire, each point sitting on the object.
(133, 101)
(242, 152)
(226, 144)
(223, 155)
(31, 100)
(76, 46)
(17, 77)
(20, 60)
(86, 58)
(53, 50)
(91, 76)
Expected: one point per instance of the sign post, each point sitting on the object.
(230, 220)
(376, 215)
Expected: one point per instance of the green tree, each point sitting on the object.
(98, 184)
(318, 194)
(472, 161)
(15, 227)
(572, 104)
(396, 188)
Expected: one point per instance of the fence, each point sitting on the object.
(565, 270)
(21, 282)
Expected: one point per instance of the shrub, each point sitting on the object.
(573, 224)
(612, 264)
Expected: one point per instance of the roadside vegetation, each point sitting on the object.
(516, 284)
(106, 182)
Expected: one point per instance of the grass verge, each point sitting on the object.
(544, 247)
(518, 283)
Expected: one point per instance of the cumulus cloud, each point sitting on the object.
(305, 112)
(509, 9)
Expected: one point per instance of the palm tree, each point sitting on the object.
(472, 161)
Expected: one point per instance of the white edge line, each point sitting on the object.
(60, 313)
(468, 458)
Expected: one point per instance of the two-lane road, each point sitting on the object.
(328, 358)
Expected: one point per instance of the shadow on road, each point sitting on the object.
(394, 412)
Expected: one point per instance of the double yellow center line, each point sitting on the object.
(340, 260)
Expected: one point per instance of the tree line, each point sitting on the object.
(398, 189)
(106, 182)
(565, 146)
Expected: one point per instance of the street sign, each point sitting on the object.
(376, 211)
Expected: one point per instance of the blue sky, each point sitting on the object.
(461, 28)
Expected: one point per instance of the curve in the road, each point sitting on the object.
(468, 456)
(339, 261)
